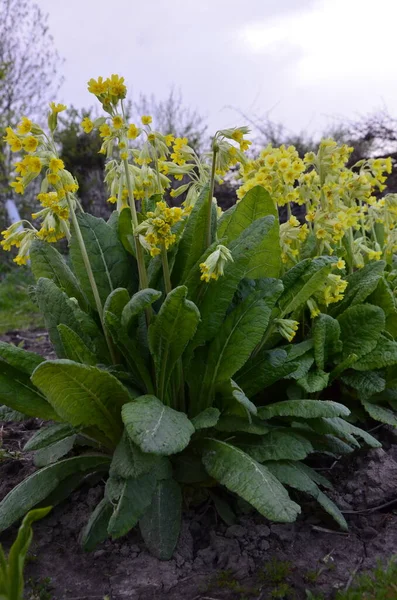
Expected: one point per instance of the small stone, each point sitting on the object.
(235, 531)
(99, 553)
(125, 551)
(262, 530)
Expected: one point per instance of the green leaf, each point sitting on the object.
(214, 298)
(383, 297)
(326, 342)
(160, 525)
(8, 415)
(130, 462)
(302, 282)
(256, 203)
(235, 423)
(47, 262)
(384, 354)
(96, 530)
(367, 383)
(206, 419)
(174, 326)
(135, 307)
(361, 284)
(314, 381)
(48, 435)
(155, 427)
(18, 393)
(380, 413)
(244, 476)
(126, 233)
(74, 347)
(234, 401)
(52, 453)
(345, 430)
(193, 241)
(306, 409)
(58, 309)
(264, 369)
(135, 498)
(38, 486)
(19, 358)
(241, 331)
(109, 262)
(223, 509)
(361, 327)
(83, 395)
(277, 444)
(290, 474)
(11, 576)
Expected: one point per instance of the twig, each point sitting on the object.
(353, 574)
(324, 530)
(370, 510)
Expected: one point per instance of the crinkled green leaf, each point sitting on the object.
(290, 474)
(96, 530)
(344, 430)
(367, 383)
(173, 328)
(252, 481)
(155, 427)
(47, 262)
(52, 453)
(298, 290)
(207, 418)
(19, 358)
(277, 444)
(314, 381)
(138, 303)
(125, 231)
(74, 347)
(236, 423)
(48, 435)
(83, 395)
(234, 400)
(380, 413)
(361, 327)
(384, 354)
(326, 342)
(130, 462)
(161, 523)
(18, 393)
(135, 498)
(307, 409)
(37, 487)
(264, 369)
(361, 284)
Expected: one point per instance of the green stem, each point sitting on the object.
(91, 278)
(143, 278)
(210, 196)
(166, 270)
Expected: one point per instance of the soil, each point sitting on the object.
(253, 559)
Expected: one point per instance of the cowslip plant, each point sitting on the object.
(169, 324)
(11, 567)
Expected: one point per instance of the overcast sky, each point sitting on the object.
(304, 62)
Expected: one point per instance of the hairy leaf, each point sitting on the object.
(38, 486)
(161, 523)
(155, 427)
(74, 347)
(130, 462)
(138, 303)
(306, 409)
(298, 289)
(380, 413)
(96, 530)
(83, 395)
(384, 354)
(264, 369)
(135, 498)
(277, 444)
(326, 342)
(207, 418)
(361, 284)
(48, 435)
(361, 327)
(19, 358)
(252, 481)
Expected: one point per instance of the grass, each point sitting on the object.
(379, 584)
(17, 310)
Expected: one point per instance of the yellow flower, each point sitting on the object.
(25, 126)
(87, 125)
(146, 119)
(293, 221)
(116, 87)
(18, 186)
(117, 122)
(57, 108)
(53, 178)
(374, 255)
(98, 87)
(112, 199)
(133, 131)
(340, 264)
(56, 164)
(30, 143)
(104, 130)
(287, 328)
(169, 139)
(321, 233)
(284, 164)
(34, 164)
(124, 155)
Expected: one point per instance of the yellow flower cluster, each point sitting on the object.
(339, 201)
(287, 328)
(108, 91)
(214, 265)
(40, 157)
(156, 232)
